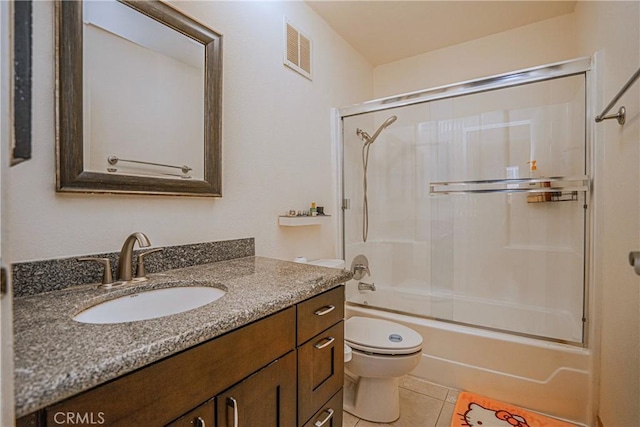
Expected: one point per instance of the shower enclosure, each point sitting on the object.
(477, 202)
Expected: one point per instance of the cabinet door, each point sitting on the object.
(321, 367)
(202, 416)
(265, 399)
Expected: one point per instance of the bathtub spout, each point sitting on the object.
(366, 286)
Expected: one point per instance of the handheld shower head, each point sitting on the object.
(389, 121)
(369, 139)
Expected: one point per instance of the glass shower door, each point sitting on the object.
(508, 247)
(477, 208)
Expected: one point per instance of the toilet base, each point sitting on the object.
(373, 399)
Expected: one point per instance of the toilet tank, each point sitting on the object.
(327, 262)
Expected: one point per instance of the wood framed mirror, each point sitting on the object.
(138, 99)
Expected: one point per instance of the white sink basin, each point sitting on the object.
(150, 304)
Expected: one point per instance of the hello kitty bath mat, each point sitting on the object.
(473, 410)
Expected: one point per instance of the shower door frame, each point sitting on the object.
(579, 66)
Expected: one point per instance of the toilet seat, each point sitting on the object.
(382, 337)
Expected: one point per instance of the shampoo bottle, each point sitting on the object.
(533, 173)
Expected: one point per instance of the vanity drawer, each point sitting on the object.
(330, 415)
(321, 370)
(202, 416)
(320, 312)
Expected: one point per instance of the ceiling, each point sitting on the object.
(387, 31)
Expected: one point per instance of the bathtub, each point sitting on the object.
(534, 321)
(547, 377)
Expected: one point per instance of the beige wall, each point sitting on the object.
(612, 30)
(276, 147)
(535, 44)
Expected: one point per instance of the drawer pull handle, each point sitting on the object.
(319, 423)
(325, 310)
(199, 422)
(327, 343)
(234, 404)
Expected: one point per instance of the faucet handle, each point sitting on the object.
(360, 267)
(140, 271)
(360, 270)
(107, 277)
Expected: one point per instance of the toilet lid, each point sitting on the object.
(381, 336)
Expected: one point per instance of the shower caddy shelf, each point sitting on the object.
(560, 188)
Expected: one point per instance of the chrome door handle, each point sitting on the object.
(328, 342)
(234, 404)
(327, 418)
(325, 310)
(634, 260)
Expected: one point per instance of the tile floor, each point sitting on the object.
(422, 404)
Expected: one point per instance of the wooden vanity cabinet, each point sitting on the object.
(164, 391)
(320, 340)
(283, 370)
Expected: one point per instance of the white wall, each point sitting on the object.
(613, 30)
(535, 44)
(276, 147)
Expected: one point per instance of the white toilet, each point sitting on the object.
(382, 351)
(377, 352)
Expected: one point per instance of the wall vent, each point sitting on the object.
(297, 55)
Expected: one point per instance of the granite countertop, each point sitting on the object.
(57, 357)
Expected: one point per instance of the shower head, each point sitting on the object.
(369, 139)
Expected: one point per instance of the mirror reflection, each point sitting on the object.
(139, 99)
(143, 86)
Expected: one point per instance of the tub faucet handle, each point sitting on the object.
(360, 267)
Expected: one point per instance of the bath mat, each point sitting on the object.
(473, 410)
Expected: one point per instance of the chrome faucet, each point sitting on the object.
(362, 286)
(125, 262)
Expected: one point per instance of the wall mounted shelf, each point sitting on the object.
(297, 221)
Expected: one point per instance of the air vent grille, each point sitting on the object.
(292, 45)
(297, 50)
(305, 54)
